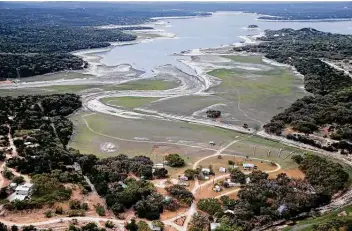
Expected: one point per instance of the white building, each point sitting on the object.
(217, 188)
(213, 226)
(247, 166)
(183, 183)
(154, 228)
(205, 171)
(22, 192)
(222, 169)
(158, 165)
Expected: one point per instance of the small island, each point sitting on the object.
(252, 26)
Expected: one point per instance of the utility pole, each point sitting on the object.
(268, 154)
(279, 154)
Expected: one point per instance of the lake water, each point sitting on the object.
(222, 28)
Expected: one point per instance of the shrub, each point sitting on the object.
(109, 224)
(74, 204)
(59, 210)
(159, 224)
(209, 205)
(230, 162)
(18, 180)
(175, 160)
(84, 206)
(100, 210)
(48, 214)
(76, 213)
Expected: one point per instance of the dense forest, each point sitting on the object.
(135, 13)
(264, 200)
(30, 48)
(330, 105)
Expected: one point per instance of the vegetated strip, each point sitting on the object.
(327, 113)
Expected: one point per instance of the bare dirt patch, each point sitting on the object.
(224, 162)
(292, 173)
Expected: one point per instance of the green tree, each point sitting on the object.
(209, 205)
(175, 160)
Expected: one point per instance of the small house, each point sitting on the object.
(212, 143)
(248, 180)
(12, 185)
(123, 185)
(222, 170)
(205, 171)
(213, 226)
(22, 192)
(183, 178)
(154, 228)
(230, 211)
(206, 177)
(160, 165)
(183, 183)
(247, 166)
(233, 184)
(217, 188)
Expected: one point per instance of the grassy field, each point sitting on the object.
(256, 85)
(255, 59)
(148, 84)
(56, 76)
(127, 135)
(128, 101)
(307, 225)
(143, 84)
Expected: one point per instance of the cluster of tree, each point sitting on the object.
(25, 65)
(110, 177)
(304, 49)
(325, 176)
(47, 190)
(334, 224)
(143, 226)
(210, 206)
(199, 222)
(213, 114)
(181, 194)
(28, 50)
(264, 200)
(35, 115)
(114, 169)
(237, 176)
(175, 160)
(308, 114)
(59, 39)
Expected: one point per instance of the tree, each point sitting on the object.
(181, 193)
(297, 158)
(158, 223)
(143, 226)
(237, 176)
(14, 228)
(190, 173)
(132, 226)
(160, 173)
(213, 114)
(200, 220)
(175, 160)
(29, 228)
(209, 205)
(109, 224)
(258, 175)
(18, 180)
(3, 227)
